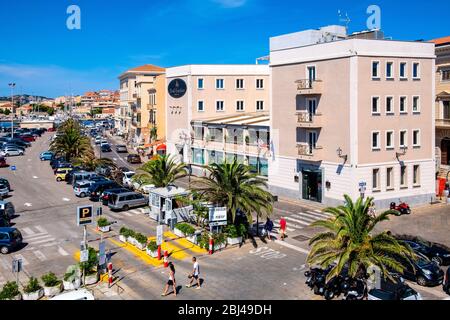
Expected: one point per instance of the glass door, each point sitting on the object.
(311, 75)
(312, 140)
(312, 105)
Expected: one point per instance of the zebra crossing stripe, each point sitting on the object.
(322, 214)
(36, 236)
(304, 218)
(291, 246)
(298, 221)
(28, 231)
(276, 225)
(24, 261)
(128, 214)
(311, 216)
(40, 255)
(44, 240)
(62, 251)
(41, 229)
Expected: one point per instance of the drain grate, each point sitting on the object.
(301, 238)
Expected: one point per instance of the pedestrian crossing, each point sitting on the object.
(129, 213)
(299, 220)
(38, 236)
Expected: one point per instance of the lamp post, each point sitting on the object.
(12, 85)
(339, 154)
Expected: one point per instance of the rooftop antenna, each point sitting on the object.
(345, 19)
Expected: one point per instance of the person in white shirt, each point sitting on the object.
(195, 275)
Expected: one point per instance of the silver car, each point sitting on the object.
(127, 200)
(4, 190)
(81, 188)
(12, 151)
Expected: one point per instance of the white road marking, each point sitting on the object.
(27, 204)
(43, 240)
(321, 214)
(41, 229)
(40, 255)
(276, 225)
(305, 218)
(291, 246)
(62, 251)
(24, 261)
(298, 221)
(66, 199)
(128, 214)
(38, 236)
(28, 231)
(34, 177)
(51, 244)
(115, 159)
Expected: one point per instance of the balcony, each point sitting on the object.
(309, 153)
(309, 87)
(443, 123)
(309, 120)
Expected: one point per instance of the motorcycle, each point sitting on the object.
(402, 207)
(335, 287)
(355, 290)
(315, 279)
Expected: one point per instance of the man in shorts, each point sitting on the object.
(194, 276)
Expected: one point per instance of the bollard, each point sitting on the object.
(159, 252)
(211, 245)
(166, 259)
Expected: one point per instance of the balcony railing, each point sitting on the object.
(307, 86)
(307, 151)
(309, 120)
(443, 123)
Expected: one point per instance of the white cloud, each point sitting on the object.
(231, 3)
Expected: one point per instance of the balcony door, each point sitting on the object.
(446, 109)
(312, 140)
(312, 106)
(311, 74)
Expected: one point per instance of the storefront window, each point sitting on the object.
(198, 133)
(215, 157)
(235, 136)
(216, 134)
(258, 166)
(232, 156)
(198, 156)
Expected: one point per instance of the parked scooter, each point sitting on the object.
(355, 289)
(335, 287)
(315, 279)
(402, 207)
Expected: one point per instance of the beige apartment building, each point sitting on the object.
(350, 116)
(443, 103)
(217, 112)
(142, 105)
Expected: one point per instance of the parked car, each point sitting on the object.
(104, 197)
(55, 160)
(127, 200)
(19, 142)
(7, 209)
(432, 251)
(423, 271)
(105, 148)
(98, 139)
(397, 290)
(121, 148)
(80, 176)
(46, 156)
(10, 239)
(103, 170)
(81, 188)
(446, 283)
(62, 165)
(27, 137)
(127, 178)
(80, 294)
(3, 162)
(134, 158)
(11, 151)
(61, 173)
(96, 189)
(12, 145)
(5, 182)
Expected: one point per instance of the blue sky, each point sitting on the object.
(43, 57)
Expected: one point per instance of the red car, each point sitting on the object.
(3, 162)
(51, 129)
(27, 138)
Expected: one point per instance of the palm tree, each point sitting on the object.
(161, 172)
(348, 241)
(70, 142)
(90, 162)
(232, 185)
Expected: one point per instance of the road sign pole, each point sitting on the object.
(86, 248)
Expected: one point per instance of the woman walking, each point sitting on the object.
(171, 281)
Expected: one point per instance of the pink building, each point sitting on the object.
(352, 115)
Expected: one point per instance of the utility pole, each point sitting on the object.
(12, 85)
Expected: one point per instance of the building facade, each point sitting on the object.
(217, 112)
(352, 116)
(443, 103)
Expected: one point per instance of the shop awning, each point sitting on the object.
(161, 147)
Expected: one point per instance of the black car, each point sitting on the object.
(56, 160)
(19, 142)
(134, 158)
(432, 251)
(423, 271)
(105, 148)
(105, 194)
(446, 284)
(96, 189)
(6, 183)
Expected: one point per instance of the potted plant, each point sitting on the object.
(72, 278)
(33, 290)
(123, 234)
(131, 238)
(220, 241)
(103, 224)
(233, 235)
(52, 285)
(10, 291)
(141, 241)
(89, 268)
(184, 230)
(152, 249)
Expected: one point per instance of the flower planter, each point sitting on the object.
(33, 295)
(140, 246)
(91, 279)
(153, 254)
(18, 297)
(52, 291)
(131, 240)
(178, 233)
(122, 238)
(72, 285)
(234, 241)
(193, 239)
(218, 247)
(105, 229)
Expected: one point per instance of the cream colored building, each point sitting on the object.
(217, 112)
(352, 116)
(142, 95)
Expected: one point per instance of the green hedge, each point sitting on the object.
(187, 229)
(9, 291)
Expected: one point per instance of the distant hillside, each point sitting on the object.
(24, 98)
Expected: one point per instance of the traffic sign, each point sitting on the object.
(13, 168)
(159, 235)
(85, 215)
(363, 184)
(218, 223)
(84, 255)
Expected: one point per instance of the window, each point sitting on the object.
(403, 70)
(259, 83)
(390, 178)
(416, 138)
(239, 83)
(403, 105)
(259, 105)
(215, 157)
(389, 68)
(389, 139)
(416, 175)
(199, 133)
(416, 105)
(200, 106)
(403, 138)
(375, 69)
(389, 105)
(376, 179)
(376, 140)
(198, 156)
(375, 105)
(311, 74)
(215, 134)
(403, 176)
(220, 106)
(220, 84)
(200, 83)
(240, 105)
(416, 70)
(445, 75)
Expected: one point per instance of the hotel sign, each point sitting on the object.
(177, 88)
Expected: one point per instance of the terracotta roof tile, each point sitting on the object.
(441, 41)
(148, 67)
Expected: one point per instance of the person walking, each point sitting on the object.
(283, 228)
(171, 281)
(195, 275)
(269, 227)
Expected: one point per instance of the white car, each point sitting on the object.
(98, 140)
(127, 178)
(103, 142)
(81, 294)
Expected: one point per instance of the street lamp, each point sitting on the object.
(12, 85)
(339, 154)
